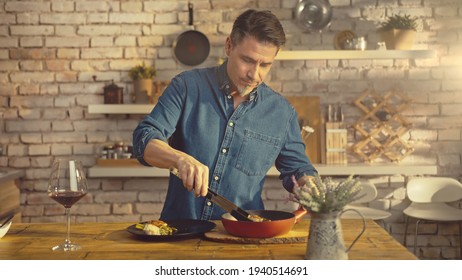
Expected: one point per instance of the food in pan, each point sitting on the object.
(256, 218)
(156, 227)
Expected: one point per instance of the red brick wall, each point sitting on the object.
(56, 57)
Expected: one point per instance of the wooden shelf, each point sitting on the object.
(355, 54)
(323, 169)
(120, 108)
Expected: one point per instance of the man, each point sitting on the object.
(223, 127)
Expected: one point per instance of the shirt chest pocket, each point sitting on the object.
(257, 153)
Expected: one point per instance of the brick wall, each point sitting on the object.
(56, 57)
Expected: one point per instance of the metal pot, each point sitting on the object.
(191, 47)
(279, 222)
(313, 15)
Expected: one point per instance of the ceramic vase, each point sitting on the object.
(142, 91)
(325, 239)
(398, 39)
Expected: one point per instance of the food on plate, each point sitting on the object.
(156, 227)
(256, 218)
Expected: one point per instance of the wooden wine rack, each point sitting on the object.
(382, 126)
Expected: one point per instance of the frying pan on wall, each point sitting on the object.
(313, 15)
(191, 47)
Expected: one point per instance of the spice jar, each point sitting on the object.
(113, 94)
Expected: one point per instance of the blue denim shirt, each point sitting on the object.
(196, 115)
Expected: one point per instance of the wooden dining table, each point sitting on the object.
(112, 241)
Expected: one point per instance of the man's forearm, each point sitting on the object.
(160, 154)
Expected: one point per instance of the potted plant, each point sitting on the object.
(398, 32)
(142, 77)
(326, 201)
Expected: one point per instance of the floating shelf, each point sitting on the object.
(323, 169)
(120, 108)
(355, 54)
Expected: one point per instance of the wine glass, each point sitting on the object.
(67, 185)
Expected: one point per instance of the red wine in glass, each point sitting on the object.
(67, 198)
(67, 185)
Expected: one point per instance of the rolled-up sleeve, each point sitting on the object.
(161, 122)
(292, 160)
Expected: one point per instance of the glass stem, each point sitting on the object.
(68, 216)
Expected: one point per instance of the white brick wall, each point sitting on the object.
(27, 6)
(56, 57)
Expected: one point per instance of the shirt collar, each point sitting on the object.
(225, 84)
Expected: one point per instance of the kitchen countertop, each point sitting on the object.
(359, 169)
(111, 241)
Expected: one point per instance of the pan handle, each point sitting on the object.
(191, 14)
(299, 213)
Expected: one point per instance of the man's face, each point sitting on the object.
(248, 63)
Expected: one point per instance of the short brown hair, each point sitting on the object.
(263, 25)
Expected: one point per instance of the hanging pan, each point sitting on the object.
(313, 15)
(191, 47)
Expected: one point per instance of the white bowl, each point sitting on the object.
(4, 229)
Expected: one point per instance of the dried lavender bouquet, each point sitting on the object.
(325, 196)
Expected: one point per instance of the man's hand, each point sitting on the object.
(305, 180)
(195, 175)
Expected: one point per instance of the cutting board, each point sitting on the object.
(309, 114)
(294, 236)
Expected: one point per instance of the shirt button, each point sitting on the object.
(209, 203)
(224, 151)
(231, 124)
(229, 96)
(216, 178)
(227, 86)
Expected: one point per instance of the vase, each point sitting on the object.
(325, 238)
(142, 91)
(398, 39)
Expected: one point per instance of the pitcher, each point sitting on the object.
(325, 239)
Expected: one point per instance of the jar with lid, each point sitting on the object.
(113, 94)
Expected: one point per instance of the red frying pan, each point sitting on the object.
(279, 222)
(191, 47)
(275, 222)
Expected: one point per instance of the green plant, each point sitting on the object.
(325, 196)
(399, 22)
(142, 72)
